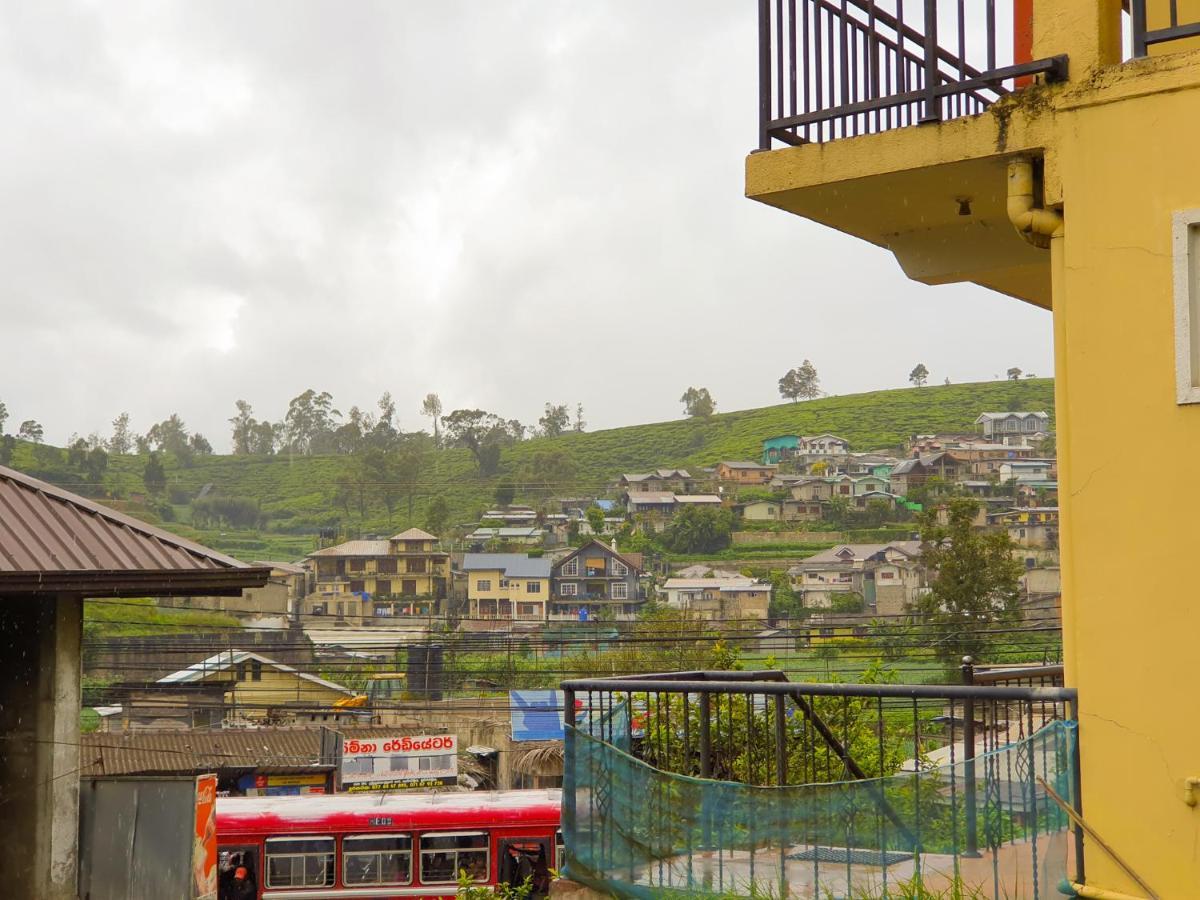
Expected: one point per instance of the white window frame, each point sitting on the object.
(486, 849)
(330, 867)
(570, 567)
(348, 850)
(620, 591)
(568, 590)
(533, 587)
(484, 584)
(619, 568)
(1185, 242)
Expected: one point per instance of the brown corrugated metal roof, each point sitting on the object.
(152, 752)
(54, 541)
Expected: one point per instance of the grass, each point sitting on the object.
(296, 493)
(109, 618)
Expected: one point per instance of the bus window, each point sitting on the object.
(300, 862)
(377, 859)
(229, 861)
(444, 854)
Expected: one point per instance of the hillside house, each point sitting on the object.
(803, 510)
(232, 686)
(743, 472)
(593, 581)
(675, 481)
(276, 599)
(855, 568)
(512, 516)
(1029, 470)
(1002, 426)
(860, 464)
(864, 501)
(365, 580)
(824, 444)
(528, 536)
(721, 599)
(779, 449)
(813, 488)
(654, 509)
(761, 511)
(507, 586)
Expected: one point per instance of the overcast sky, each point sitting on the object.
(503, 202)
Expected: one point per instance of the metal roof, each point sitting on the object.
(152, 751)
(514, 565)
(414, 534)
(227, 659)
(54, 541)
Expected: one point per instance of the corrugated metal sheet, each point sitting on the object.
(43, 528)
(153, 752)
(51, 539)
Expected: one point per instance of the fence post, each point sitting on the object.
(931, 110)
(706, 762)
(968, 678)
(568, 786)
(1137, 27)
(764, 74)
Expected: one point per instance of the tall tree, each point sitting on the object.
(265, 438)
(579, 424)
(698, 403)
(483, 433)
(437, 515)
(800, 383)
(3, 416)
(122, 439)
(975, 580)
(170, 434)
(1014, 374)
(154, 476)
(199, 445)
(505, 492)
(30, 431)
(310, 423)
(557, 419)
(595, 518)
(387, 411)
(95, 465)
(919, 375)
(243, 428)
(432, 406)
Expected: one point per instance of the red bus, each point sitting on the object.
(383, 845)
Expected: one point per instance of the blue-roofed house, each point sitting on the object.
(507, 586)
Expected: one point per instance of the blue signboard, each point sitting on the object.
(536, 715)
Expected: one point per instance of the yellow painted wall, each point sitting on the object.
(1122, 150)
(276, 688)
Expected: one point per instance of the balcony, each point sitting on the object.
(832, 69)
(743, 783)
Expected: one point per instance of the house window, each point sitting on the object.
(887, 576)
(416, 566)
(256, 670)
(619, 568)
(620, 591)
(1186, 249)
(485, 584)
(504, 583)
(571, 567)
(568, 590)
(533, 587)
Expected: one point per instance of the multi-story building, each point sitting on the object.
(1052, 160)
(507, 586)
(365, 580)
(744, 472)
(862, 569)
(596, 581)
(669, 480)
(720, 599)
(1002, 426)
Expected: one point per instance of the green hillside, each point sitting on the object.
(296, 496)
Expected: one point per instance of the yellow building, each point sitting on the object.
(507, 586)
(232, 686)
(364, 581)
(1078, 191)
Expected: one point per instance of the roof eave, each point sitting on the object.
(136, 582)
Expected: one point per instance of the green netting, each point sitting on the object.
(984, 826)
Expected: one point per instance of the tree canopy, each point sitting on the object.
(698, 403)
(801, 382)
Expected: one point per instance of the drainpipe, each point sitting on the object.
(1095, 893)
(1036, 224)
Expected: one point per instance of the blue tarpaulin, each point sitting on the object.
(536, 715)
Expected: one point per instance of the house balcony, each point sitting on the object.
(895, 120)
(741, 783)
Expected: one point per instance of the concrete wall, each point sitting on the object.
(39, 756)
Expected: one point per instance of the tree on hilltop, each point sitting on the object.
(919, 375)
(801, 382)
(698, 403)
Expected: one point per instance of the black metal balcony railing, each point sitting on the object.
(831, 69)
(715, 782)
(1143, 37)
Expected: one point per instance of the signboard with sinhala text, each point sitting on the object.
(397, 763)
